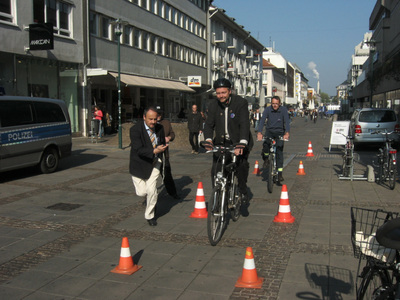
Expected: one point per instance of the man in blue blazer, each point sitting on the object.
(146, 159)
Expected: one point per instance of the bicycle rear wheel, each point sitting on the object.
(215, 218)
(392, 174)
(375, 285)
(345, 168)
(271, 173)
(236, 201)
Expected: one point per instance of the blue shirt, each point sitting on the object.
(277, 120)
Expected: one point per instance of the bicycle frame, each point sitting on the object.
(225, 176)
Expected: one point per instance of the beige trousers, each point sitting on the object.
(148, 188)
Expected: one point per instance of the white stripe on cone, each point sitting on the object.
(125, 252)
(200, 192)
(284, 208)
(249, 264)
(199, 204)
(284, 195)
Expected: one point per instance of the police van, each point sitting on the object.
(34, 131)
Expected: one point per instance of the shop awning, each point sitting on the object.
(152, 82)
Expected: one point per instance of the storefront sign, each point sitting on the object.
(41, 36)
(194, 81)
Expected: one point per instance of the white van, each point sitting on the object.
(34, 131)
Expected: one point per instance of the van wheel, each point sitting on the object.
(49, 162)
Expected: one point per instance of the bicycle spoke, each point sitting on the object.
(215, 219)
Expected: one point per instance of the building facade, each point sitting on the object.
(379, 85)
(53, 73)
(234, 54)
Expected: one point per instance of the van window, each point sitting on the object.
(48, 112)
(377, 116)
(15, 113)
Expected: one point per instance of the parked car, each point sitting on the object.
(365, 121)
(33, 131)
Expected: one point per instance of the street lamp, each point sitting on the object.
(118, 31)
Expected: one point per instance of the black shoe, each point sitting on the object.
(245, 199)
(176, 197)
(152, 222)
(278, 183)
(280, 177)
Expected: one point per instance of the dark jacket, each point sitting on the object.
(142, 156)
(277, 121)
(238, 121)
(195, 122)
(168, 131)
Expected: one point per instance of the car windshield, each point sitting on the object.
(377, 116)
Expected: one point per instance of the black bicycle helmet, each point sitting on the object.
(222, 82)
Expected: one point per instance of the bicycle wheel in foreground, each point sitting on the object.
(392, 174)
(375, 285)
(271, 173)
(215, 224)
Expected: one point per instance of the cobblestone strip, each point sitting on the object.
(273, 252)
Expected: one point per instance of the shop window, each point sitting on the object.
(7, 10)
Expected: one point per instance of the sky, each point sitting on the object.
(318, 36)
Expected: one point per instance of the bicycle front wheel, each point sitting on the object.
(392, 174)
(375, 285)
(215, 218)
(271, 173)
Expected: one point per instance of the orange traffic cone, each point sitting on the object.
(200, 210)
(309, 150)
(126, 265)
(284, 215)
(249, 278)
(256, 168)
(301, 169)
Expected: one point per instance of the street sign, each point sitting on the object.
(338, 129)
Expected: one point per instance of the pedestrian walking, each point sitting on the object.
(147, 148)
(169, 137)
(195, 126)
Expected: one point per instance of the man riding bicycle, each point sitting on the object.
(229, 118)
(278, 125)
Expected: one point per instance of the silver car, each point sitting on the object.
(366, 121)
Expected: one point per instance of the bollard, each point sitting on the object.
(371, 173)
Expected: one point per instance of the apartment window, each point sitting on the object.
(128, 35)
(93, 23)
(167, 12)
(138, 34)
(153, 6)
(168, 49)
(7, 10)
(160, 46)
(145, 41)
(153, 44)
(57, 12)
(161, 9)
(105, 28)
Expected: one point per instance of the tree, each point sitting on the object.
(324, 97)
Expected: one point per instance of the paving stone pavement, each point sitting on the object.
(60, 233)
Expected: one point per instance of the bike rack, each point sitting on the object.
(352, 176)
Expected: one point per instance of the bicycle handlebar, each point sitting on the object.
(346, 136)
(219, 148)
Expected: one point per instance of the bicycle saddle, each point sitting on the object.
(388, 235)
